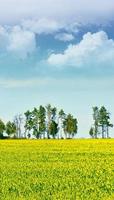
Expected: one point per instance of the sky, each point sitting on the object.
(59, 52)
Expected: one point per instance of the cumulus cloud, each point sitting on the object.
(93, 50)
(17, 41)
(20, 40)
(65, 37)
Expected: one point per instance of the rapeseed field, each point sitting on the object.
(81, 169)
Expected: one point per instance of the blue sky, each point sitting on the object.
(58, 52)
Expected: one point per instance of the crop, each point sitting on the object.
(81, 169)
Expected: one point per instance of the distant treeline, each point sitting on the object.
(46, 122)
(42, 122)
(101, 124)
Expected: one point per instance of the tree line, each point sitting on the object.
(101, 125)
(47, 122)
(41, 122)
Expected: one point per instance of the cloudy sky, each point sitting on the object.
(59, 52)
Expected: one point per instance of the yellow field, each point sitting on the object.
(57, 169)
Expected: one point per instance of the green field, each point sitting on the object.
(57, 169)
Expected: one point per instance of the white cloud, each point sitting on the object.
(83, 10)
(21, 42)
(93, 50)
(52, 26)
(17, 41)
(43, 25)
(64, 37)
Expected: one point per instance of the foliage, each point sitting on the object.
(10, 128)
(35, 121)
(91, 132)
(53, 129)
(2, 128)
(44, 122)
(101, 119)
(70, 125)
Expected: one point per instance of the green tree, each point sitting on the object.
(103, 117)
(28, 123)
(36, 122)
(42, 121)
(53, 113)
(49, 117)
(53, 129)
(62, 116)
(70, 126)
(104, 121)
(2, 128)
(11, 128)
(74, 127)
(108, 125)
(36, 133)
(91, 132)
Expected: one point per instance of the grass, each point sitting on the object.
(57, 169)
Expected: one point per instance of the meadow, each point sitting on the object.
(81, 169)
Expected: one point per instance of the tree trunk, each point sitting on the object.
(102, 131)
(107, 131)
(43, 135)
(96, 130)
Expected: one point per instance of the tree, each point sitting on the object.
(49, 117)
(36, 121)
(107, 127)
(108, 124)
(18, 119)
(96, 120)
(70, 126)
(104, 121)
(28, 123)
(49, 113)
(62, 116)
(103, 117)
(11, 128)
(53, 129)
(91, 132)
(42, 121)
(74, 127)
(39, 123)
(36, 132)
(53, 113)
(2, 128)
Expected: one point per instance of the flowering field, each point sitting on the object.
(57, 169)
